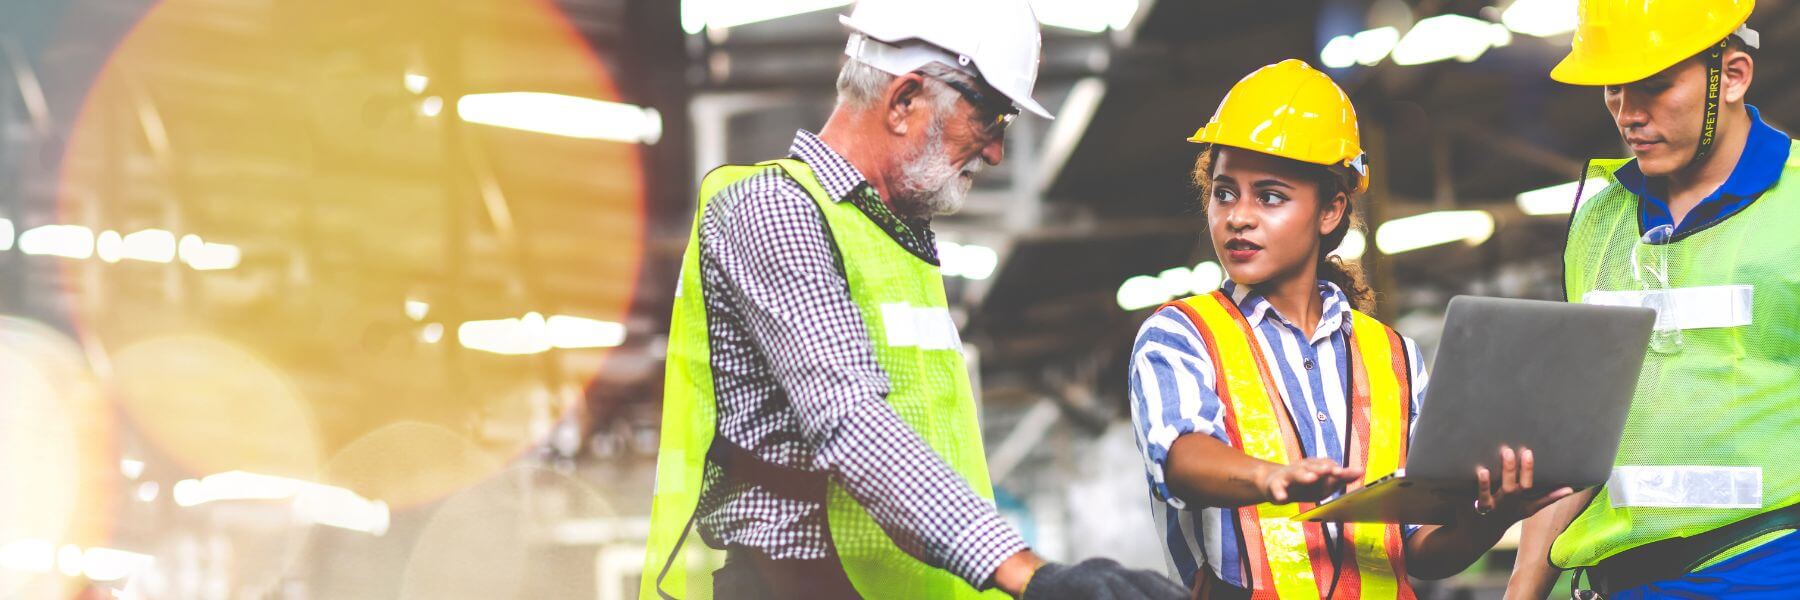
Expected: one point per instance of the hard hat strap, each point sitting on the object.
(1709, 118)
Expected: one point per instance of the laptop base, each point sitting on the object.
(1396, 499)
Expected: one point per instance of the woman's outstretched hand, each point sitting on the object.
(1309, 480)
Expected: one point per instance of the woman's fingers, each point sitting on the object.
(1509, 470)
(1484, 500)
(1337, 473)
(1309, 480)
(1526, 463)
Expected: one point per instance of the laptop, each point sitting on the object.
(1554, 377)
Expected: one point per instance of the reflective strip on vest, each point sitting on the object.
(1287, 558)
(1382, 397)
(1686, 308)
(1686, 487)
(926, 328)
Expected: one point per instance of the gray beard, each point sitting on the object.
(929, 184)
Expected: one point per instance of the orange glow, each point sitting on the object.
(316, 150)
(56, 453)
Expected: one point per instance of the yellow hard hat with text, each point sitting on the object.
(1291, 110)
(1622, 41)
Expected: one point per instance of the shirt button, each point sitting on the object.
(1309, 364)
(1321, 416)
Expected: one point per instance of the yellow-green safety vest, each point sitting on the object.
(901, 299)
(1718, 400)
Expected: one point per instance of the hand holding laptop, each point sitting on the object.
(1513, 499)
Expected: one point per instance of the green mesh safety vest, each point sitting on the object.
(901, 299)
(1718, 401)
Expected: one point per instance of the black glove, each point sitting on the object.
(1100, 579)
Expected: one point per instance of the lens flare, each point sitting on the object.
(486, 542)
(214, 407)
(278, 193)
(58, 468)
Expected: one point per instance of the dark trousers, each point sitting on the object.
(749, 575)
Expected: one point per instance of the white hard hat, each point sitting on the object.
(997, 40)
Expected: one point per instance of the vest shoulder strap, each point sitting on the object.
(1382, 398)
(723, 177)
(1376, 339)
(1256, 419)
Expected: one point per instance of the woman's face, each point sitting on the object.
(1265, 216)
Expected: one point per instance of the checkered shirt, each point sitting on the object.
(798, 385)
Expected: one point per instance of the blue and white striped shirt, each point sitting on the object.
(1173, 394)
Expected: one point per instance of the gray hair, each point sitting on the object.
(861, 86)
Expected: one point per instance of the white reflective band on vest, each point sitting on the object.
(1686, 487)
(1686, 308)
(925, 328)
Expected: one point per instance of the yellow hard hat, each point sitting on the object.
(1622, 41)
(1291, 110)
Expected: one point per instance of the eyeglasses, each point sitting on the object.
(1002, 112)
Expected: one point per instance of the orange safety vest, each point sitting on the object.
(1287, 558)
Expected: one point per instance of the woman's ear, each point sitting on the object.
(905, 95)
(1333, 213)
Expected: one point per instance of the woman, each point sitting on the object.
(1274, 393)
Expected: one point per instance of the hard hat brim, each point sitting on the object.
(1590, 71)
(1031, 106)
(1206, 143)
(1594, 68)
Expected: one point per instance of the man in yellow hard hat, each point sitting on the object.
(1701, 225)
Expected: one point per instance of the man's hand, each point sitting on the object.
(1099, 579)
(1309, 480)
(1017, 569)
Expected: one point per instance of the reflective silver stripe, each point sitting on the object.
(897, 319)
(1686, 308)
(1686, 487)
(926, 328)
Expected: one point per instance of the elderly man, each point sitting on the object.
(818, 421)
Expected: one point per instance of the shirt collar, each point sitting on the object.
(835, 172)
(1333, 318)
(1758, 168)
(844, 183)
